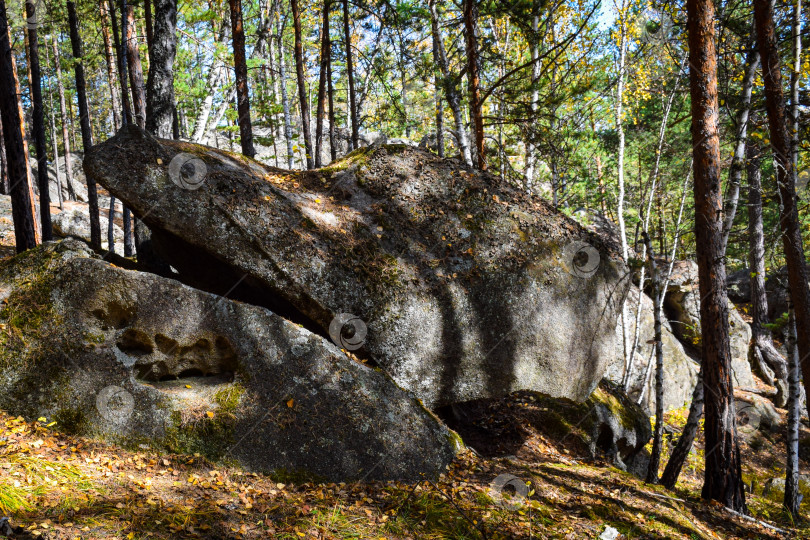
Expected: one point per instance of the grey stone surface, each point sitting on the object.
(680, 370)
(135, 358)
(468, 288)
(682, 305)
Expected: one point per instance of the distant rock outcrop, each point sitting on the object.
(462, 287)
(135, 358)
(682, 305)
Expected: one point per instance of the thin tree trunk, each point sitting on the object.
(240, 67)
(785, 178)
(84, 120)
(302, 85)
(765, 358)
(535, 98)
(655, 459)
(63, 110)
(325, 53)
(39, 126)
(791, 500)
(684, 445)
(26, 235)
(347, 38)
(147, 15)
(160, 105)
(723, 473)
(285, 102)
(620, 126)
(53, 142)
(470, 14)
(121, 63)
(738, 160)
(213, 82)
(134, 65)
(450, 91)
(794, 391)
(111, 226)
(109, 56)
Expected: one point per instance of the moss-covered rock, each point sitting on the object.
(135, 358)
(469, 288)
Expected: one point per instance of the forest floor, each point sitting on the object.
(59, 486)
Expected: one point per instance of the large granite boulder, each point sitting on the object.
(135, 358)
(74, 221)
(458, 286)
(682, 305)
(680, 369)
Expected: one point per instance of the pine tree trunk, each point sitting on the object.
(109, 56)
(723, 474)
(38, 126)
(738, 160)
(321, 110)
(347, 37)
(474, 80)
(160, 105)
(147, 16)
(302, 84)
(121, 63)
(84, 121)
(240, 67)
(64, 118)
(26, 235)
(134, 66)
(785, 179)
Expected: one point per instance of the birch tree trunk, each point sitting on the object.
(738, 160)
(785, 179)
(450, 91)
(766, 359)
(285, 102)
